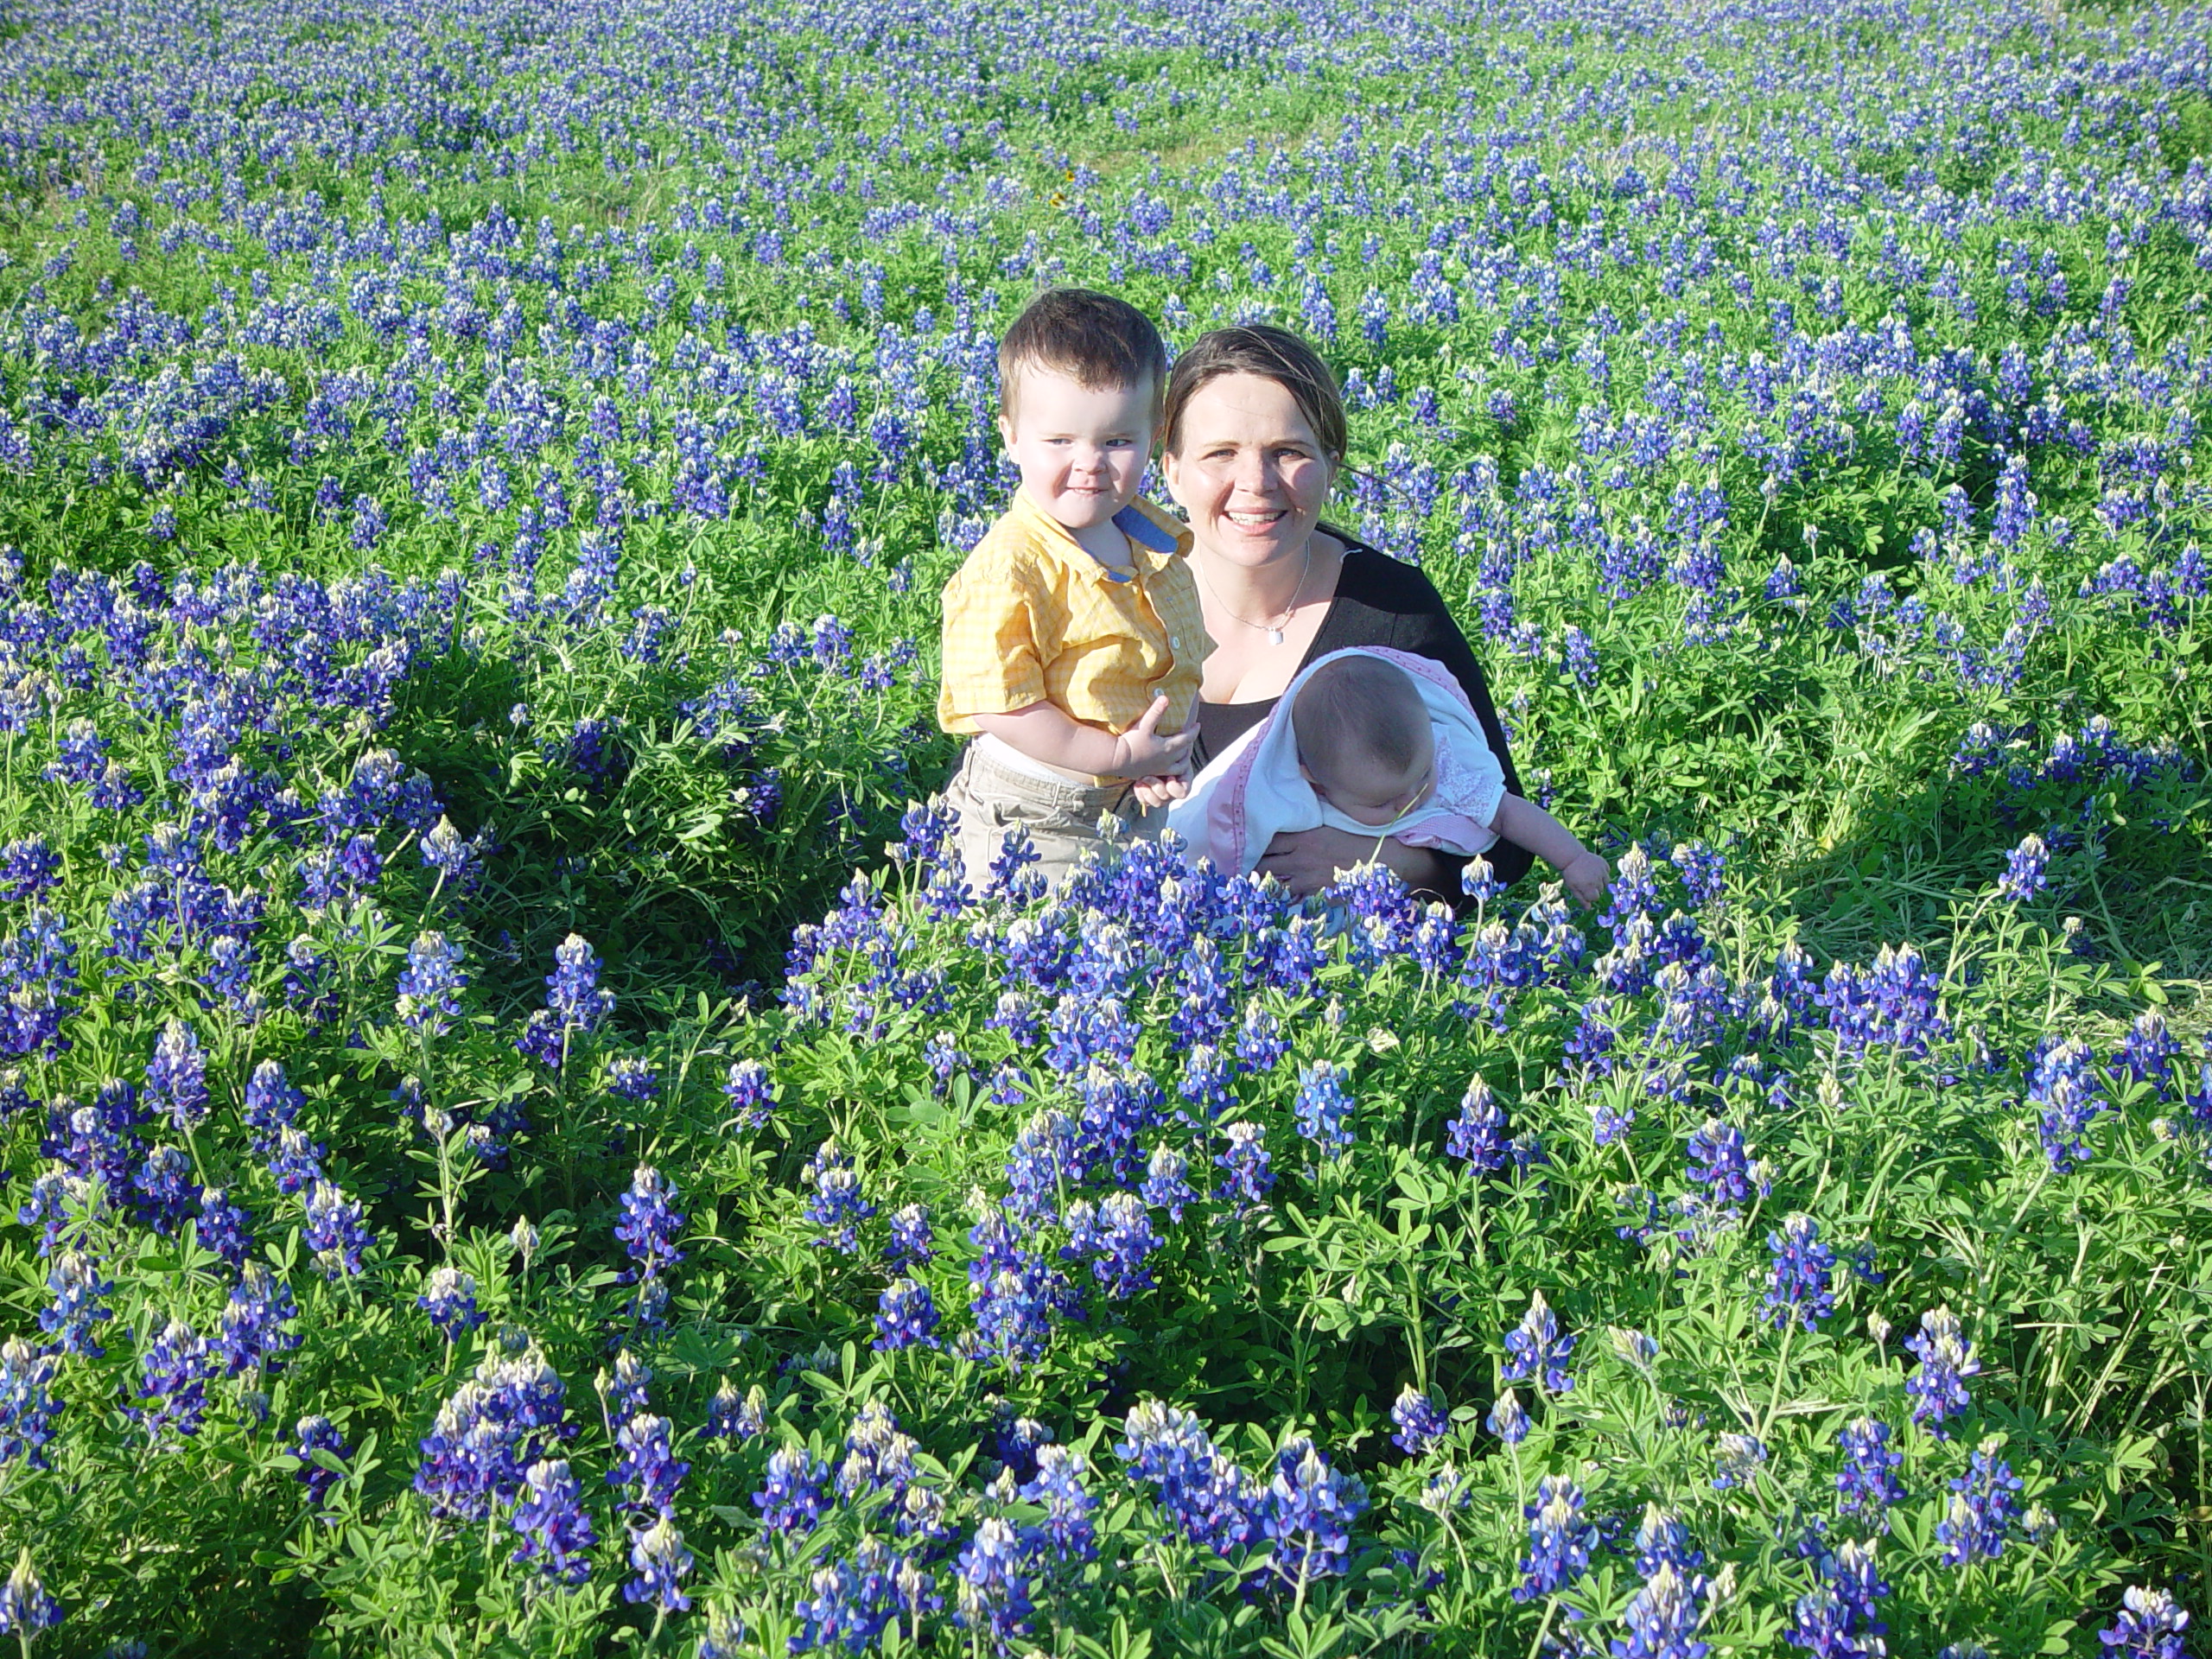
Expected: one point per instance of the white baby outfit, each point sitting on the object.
(1253, 791)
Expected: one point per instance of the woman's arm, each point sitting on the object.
(1306, 860)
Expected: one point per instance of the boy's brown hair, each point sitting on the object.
(1096, 339)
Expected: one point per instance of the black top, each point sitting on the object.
(1381, 601)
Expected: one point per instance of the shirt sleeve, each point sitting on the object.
(994, 657)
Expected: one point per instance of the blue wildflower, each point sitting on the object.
(1560, 1539)
(1539, 1350)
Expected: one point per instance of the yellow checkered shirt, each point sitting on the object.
(1032, 618)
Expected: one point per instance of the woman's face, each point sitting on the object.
(1249, 470)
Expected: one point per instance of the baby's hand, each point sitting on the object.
(1141, 751)
(1587, 876)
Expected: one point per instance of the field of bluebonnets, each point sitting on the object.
(477, 481)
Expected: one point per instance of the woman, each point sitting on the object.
(1254, 435)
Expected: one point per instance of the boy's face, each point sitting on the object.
(1373, 794)
(1082, 450)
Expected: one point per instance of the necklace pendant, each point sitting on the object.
(1275, 636)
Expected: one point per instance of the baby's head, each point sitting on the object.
(1080, 377)
(1363, 739)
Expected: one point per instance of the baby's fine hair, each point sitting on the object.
(1098, 341)
(1360, 705)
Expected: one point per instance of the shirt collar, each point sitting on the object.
(1154, 538)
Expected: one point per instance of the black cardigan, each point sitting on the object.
(1381, 601)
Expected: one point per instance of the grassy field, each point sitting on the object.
(516, 1141)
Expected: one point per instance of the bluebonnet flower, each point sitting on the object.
(1058, 1486)
(993, 1571)
(449, 1297)
(1507, 1420)
(1893, 1002)
(25, 1607)
(662, 1562)
(2025, 871)
(1306, 1513)
(2062, 1081)
(1736, 1461)
(625, 1387)
(430, 984)
(631, 1078)
(750, 1092)
(649, 1224)
(176, 1077)
(1250, 1176)
(1662, 1539)
(27, 1407)
(1479, 1136)
(2148, 1052)
(648, 1465)
(2149, 1625)
(1012, 878)
(1866, 1485)
(1837, 1618)
(1124, 1239)
(549, 1518)
(732, 1417)
(1539, 1350)
(1205, 1496)
(1938, 1387)
(1166, 1183)
(1421, 1425)
(164, 1194)
(1663, 1618)
(912, 1243)
(506, 1416)
(173, 1373)
(1801, 1284)
(294, 1161)
(837, 1207)
(852, 1601)
(1560, 1539)
(906, 1315)
(1982, 1507)
(1704, 872)
(1720, 1162)
(795, 1495)
(1260, 1041)
(335, 1231)
(1207, 1073)
(314, 1435)
(256, 1327)
(271, 1105)
(29, 869)
(75, 1280)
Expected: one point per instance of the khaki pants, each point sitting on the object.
(1062, 817)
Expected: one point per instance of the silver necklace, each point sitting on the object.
(1274, 631)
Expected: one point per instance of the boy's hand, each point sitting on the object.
(1587, 877)
(1141, 751)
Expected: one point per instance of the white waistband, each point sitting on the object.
(1003, 754)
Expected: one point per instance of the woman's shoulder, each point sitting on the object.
(1378, 594)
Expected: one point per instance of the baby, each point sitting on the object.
(1374, 741)
(1072, 634)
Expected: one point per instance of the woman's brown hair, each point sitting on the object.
(1272, 353)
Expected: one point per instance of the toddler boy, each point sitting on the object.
(1073, 633)
(1374, 741)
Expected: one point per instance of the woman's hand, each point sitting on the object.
(1161, 791)
(1306, 860)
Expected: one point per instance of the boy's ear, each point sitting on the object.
(1005, 429)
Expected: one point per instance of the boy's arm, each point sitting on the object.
(1046, 732)
(1526, 824)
